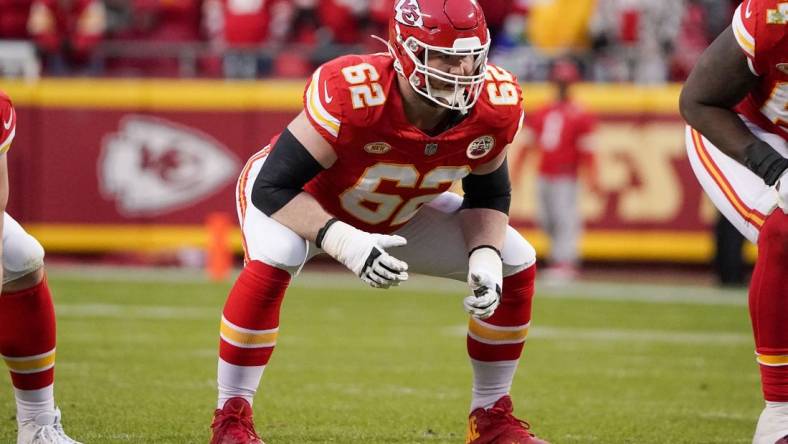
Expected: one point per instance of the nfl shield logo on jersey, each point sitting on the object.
(480, 147)
(430, 149)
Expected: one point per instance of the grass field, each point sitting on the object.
(604, 363)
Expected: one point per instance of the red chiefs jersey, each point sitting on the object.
(386, 168)
(249, 22)
(7, 124)
(760, 28)
(81, 22)
(561, 130)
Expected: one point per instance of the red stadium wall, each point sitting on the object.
(128, 165)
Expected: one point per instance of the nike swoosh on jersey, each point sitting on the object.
(328, 98)
(7, 125)
(747, 12)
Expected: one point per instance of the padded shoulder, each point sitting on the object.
(348, 91)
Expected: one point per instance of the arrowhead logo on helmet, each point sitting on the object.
(408, 13)
(419, 29)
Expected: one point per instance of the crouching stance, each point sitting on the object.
(362, 175)
(27, 318)
(736, 103)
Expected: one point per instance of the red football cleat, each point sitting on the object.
(497, 425)
(233, 424)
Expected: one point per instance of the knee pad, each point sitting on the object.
(22, 255)
(264, 282)
(517, 253)
(516, 300)
(520, 286)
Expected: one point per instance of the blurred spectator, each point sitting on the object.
(167, 20)
(559, 26)
(13, 18)
(158, 31)
(561, 131)
(344, 20)
(692, 39)
(346, 27)
(718, 15)
(633, 38)
(66, 32)
(243, 27)
(496, 12)
(379, 13)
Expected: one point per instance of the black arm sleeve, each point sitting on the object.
(491, 190)
(765, 161)
(283, 175)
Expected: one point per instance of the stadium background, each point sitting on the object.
(130, 139)
(649, 206)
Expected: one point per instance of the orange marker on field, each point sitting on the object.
(219, 257)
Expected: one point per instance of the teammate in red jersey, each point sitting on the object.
(27, 318)
(561, 131)
(362, 175)
(736, 104)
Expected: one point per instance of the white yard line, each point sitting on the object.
(138, 312)
(146, 312)
(606, 291)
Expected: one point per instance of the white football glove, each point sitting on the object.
(485, 277)
(365, 255)
(782, 192)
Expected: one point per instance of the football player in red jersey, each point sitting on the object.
(362, 175)
(561, 130)
(736, 104)
(27, 318)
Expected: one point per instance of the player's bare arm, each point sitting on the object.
(719, 81)
(299, 155)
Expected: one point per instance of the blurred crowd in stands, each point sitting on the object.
(644, 41)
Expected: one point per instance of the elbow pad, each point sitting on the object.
(287, 169)
(493, 190)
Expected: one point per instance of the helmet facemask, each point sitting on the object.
(457, 92)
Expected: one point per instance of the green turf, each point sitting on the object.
(137, 361)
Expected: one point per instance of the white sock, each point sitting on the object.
(238, 381)
(491, 381)
(778, 406)
(29, 403)
(772, 424)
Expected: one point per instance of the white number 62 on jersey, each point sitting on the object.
(500, 87)
(405, 176)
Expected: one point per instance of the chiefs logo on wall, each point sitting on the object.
(152, 166)
(408, 13)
